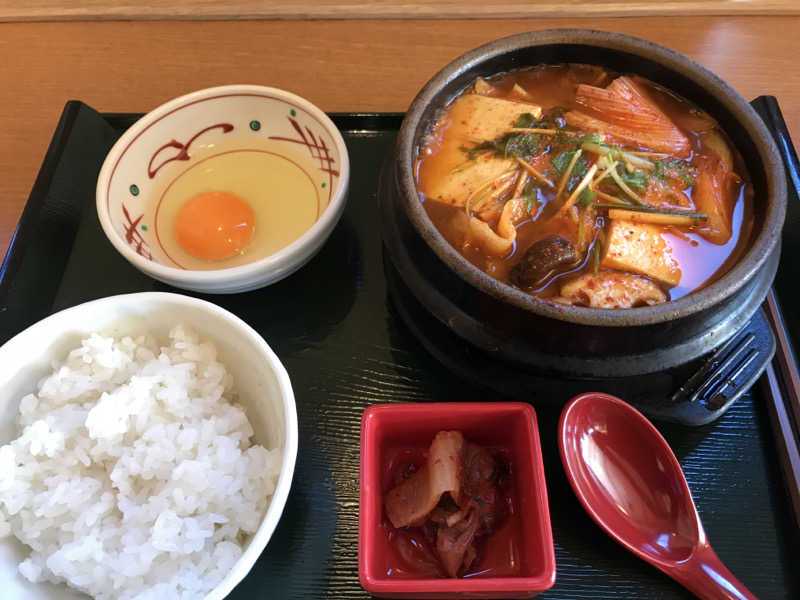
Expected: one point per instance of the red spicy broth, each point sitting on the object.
(411, 554)
(697, 257)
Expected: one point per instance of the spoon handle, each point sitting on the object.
(709, 579)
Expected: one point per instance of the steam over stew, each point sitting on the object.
(586, 187)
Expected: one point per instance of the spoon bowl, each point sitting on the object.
(627, 478)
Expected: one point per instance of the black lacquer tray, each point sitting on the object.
(336, 330)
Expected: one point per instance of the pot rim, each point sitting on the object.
(752, 260)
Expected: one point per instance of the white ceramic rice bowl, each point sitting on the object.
(261, 380)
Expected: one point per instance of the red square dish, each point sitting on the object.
(525, 540)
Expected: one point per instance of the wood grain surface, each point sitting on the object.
(67, 10)
(341, 65)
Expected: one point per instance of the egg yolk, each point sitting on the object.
(214, 225)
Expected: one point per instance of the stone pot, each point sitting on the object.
(514, 326)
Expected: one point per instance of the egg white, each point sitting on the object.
(281, 187)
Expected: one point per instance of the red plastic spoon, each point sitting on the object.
(629, 481)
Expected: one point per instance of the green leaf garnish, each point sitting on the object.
(554, 119)
(591, 138)
(521, 145)
(562, 139)
(586, 197)
(526, 121)
(560, 163)
(530, 195)
(636, 180)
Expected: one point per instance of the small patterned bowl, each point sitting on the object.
(160, 147)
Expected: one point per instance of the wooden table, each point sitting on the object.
(348, 65)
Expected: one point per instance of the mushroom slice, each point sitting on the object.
(542, 260)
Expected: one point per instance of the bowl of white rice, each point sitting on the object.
(147, 447)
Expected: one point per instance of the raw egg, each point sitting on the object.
(234, 205)
(214, 225)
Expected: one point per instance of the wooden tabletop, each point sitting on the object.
(237, 10)
(340, 65)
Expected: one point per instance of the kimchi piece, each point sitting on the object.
(454, 498)
(624, 111)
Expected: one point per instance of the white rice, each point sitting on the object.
(134, 476)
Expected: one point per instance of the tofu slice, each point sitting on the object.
(482, 87)
(520, 93)
(474, 118)
(639, 248)
(462, 182)
(481, 118)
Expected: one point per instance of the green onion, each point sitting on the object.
(603, 149)
(624, 187)
(653, 210)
